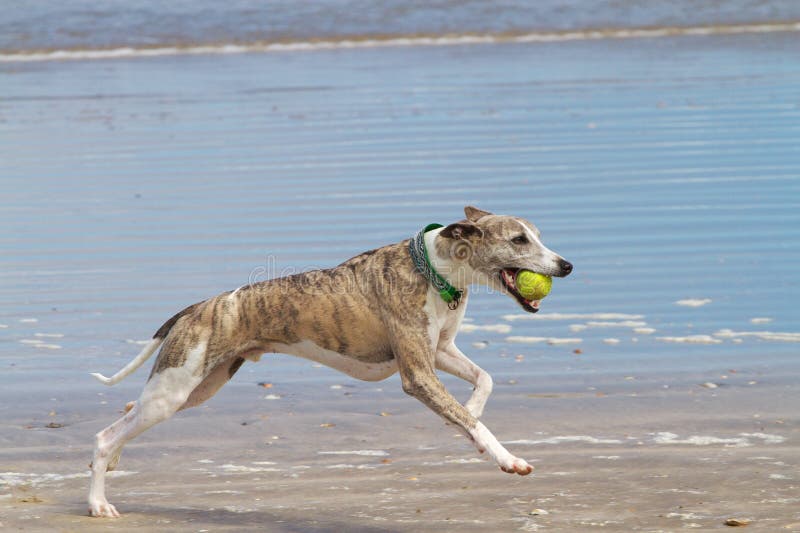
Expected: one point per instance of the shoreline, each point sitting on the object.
(392, 41)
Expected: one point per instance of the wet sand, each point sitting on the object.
(355, 458)
(657, 391)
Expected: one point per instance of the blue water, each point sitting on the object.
(663, 169)
(91, 25)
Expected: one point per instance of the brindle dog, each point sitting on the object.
(371, 316)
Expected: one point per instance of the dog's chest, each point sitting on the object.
(443, 322)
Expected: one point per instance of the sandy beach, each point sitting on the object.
(657, 390)
(356, 457)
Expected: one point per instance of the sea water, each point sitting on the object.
(664, 167)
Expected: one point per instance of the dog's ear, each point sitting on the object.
(462, 230)
(474, 214)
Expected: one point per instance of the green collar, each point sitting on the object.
(419, 255)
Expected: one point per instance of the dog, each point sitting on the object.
(392, 309)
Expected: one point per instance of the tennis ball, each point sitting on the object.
(533, 286)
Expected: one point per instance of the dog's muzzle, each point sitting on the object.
(508, 277)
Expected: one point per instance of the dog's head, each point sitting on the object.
(493, 248)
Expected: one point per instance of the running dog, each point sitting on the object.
(393, 309)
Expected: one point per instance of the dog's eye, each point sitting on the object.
(520, 239)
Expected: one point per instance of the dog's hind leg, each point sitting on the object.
(165, 393)
(213, 382)
(202, 392)
(453, 361)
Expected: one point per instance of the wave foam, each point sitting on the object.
(519, 339)
(367, 453)
(763, 335)
(691, 339)
(562, 439)
(743, 440)
(493, 328)
(392, 41)
(572, 316)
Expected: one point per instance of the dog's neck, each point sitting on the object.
(459, 274)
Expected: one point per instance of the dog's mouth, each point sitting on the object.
(508, 277)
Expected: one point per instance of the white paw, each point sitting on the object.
(102, 508)
(515, 465)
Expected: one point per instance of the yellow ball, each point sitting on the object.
(533, 286)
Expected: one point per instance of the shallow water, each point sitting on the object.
(83, 26)
(667, 172)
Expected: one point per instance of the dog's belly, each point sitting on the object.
(367, 371)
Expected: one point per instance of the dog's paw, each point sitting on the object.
(516, 466)
(103, 509)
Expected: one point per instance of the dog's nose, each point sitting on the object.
(566, 267)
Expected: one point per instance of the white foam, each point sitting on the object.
(134, 341)
(29, 320)
(779, 476)
(422, 40)
(685, 516)
(237, 509)
(760, 320)
(691, 339)
(461, 461)
(273, 397)
(743, 440)
(621, 324)
(783, 501)
(49, 335)
(611, 341)
(694, 302)
(368, 453)
(563, 439)
(644, 331)
(3, 326)
(359, 467)
(13, 479)
(549, 340)
(38, 343)
(480, 344)
(766, 437)
(572, 316)
(240, 469)
(763, 335)
(494, 328)
(699, 440)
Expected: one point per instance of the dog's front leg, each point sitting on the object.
(453, 361)
(415, 360)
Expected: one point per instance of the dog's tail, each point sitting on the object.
(148, 350)
(145, 354)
